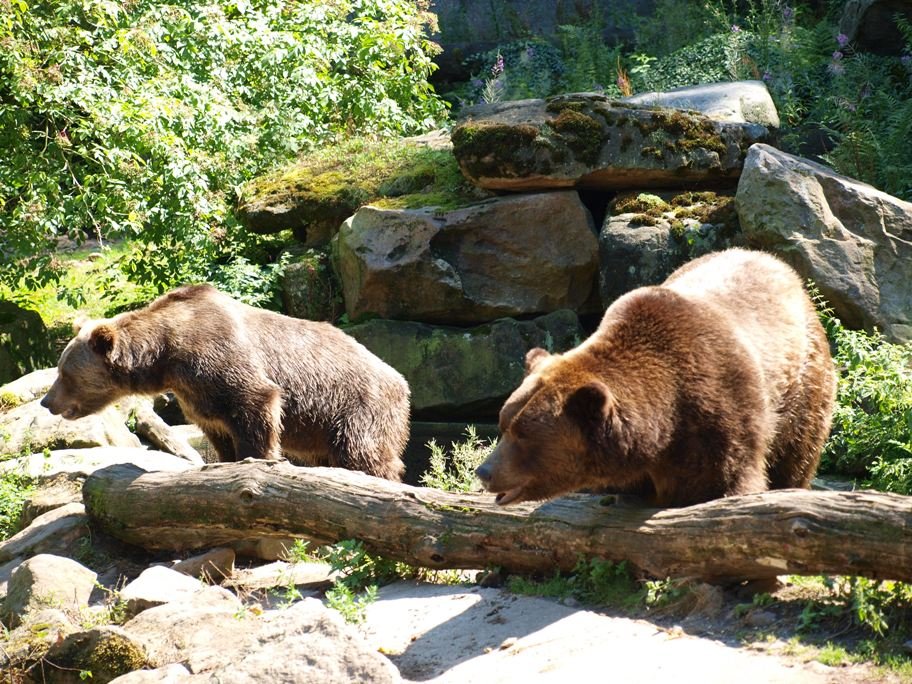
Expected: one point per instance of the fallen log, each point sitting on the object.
(758, 536)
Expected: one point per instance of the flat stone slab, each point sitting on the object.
(734, 102)
(84, 462)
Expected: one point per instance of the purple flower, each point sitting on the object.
(477, 83)
(530, 52)
(498, 67)
(736, 28)
(842, 40)
(787, 13)
(767, 77)
(837, 55)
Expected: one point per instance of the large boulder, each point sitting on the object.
(852, 240)
(735, 102)
(31, 428)
(512, 256)
(588, 140)
(460, 372)
(304, 643)
(24, 342)
(47, 581)
(310, 289)
(870, 25)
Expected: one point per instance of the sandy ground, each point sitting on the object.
(465, 635)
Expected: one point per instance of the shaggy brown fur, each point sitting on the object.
(718, 382)
(256, 382)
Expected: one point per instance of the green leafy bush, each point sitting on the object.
(872, 421)
(455, 472)
(138, 120)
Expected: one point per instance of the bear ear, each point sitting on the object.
(102, 339)
(592, 406)
(534, 357)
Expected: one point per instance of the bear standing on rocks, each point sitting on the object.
(256, 382)
(717, 382)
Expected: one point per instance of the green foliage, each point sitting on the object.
(455, 472)
(593, 581)
(360, 569)
(351, 605)
(872, 421)
(138, 120)
(873, 606)
(15, 489)
(360, 573)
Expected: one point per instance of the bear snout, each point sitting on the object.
(483, 472)
(48, 404)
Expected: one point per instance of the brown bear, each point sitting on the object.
(256, 382)
(717, 382)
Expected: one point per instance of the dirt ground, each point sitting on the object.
(449, 634)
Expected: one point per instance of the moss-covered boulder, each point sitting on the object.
(514, 256)
(24, 342)
(588, 140)
(464, 373)
(645, 237)
(313, 196)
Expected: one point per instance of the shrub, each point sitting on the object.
(872, 421)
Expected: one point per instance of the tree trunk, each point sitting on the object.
(756, 536)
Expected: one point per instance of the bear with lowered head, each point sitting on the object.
(717, 382)
(258, 384)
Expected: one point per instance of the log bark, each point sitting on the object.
(757, 536)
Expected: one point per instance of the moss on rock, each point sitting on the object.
(319, 191)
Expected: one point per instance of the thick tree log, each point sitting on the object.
(757, 536)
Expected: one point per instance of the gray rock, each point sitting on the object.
(870, 25)
(734, 102)
(46, 581)
(212, 567)
(51, 532)
(280, 574)
(30, 428)
(587, 140)
(464, 372)
(80, 463)
(24, 342)
(159, 585)
(52, 493)
(306, 642)
(169, 674)
(852, 240)
(28, 388)
(6, 571)
(512, 256)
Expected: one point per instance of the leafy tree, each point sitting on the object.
(139, 119)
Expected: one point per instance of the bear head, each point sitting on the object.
(553, 428)
(86, 373)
